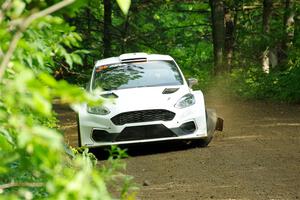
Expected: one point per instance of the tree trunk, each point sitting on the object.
(88, 35)
(217, 18)
(267, 13)
(124, 34)
(296, 39)
(107, 28)
(289, 21)
(229, 37)
(288, 27)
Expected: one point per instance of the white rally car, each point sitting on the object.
(148, 100)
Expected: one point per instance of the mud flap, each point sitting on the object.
(219, 124)
(214, 123)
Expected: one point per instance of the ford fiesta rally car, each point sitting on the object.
(149, 100)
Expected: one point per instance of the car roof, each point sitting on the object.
(132, 57)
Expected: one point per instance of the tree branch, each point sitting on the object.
(24, 24)
(1, 53)
(5, 6)
(21, 184)
(203, 11)
(186, 26)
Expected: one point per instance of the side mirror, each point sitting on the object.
(192, 81)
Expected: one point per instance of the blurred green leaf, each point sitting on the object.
(124, 5)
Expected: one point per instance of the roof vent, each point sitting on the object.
(133, 57)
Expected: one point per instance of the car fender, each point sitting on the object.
(200, 104)
(199, 97)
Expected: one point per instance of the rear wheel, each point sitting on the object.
(211, 121)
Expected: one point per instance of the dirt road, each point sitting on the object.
(256, 157)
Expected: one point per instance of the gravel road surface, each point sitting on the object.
(257, 156)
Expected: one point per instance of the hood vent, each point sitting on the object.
(109, 95)
(170, 90)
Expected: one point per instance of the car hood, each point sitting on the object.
(145, 98)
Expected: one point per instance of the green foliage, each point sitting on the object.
(197, 66)
(35, 163)
(248, 79)
(164, 27)
(253, 83)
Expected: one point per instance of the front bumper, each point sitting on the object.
(99, 130)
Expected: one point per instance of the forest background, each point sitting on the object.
(256, 42)
(47, 44)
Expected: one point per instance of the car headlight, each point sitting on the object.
(185, 101)
(98, 110)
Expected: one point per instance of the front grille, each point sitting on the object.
(145, 132)
(143, 116)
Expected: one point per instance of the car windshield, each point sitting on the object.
(139, 74)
